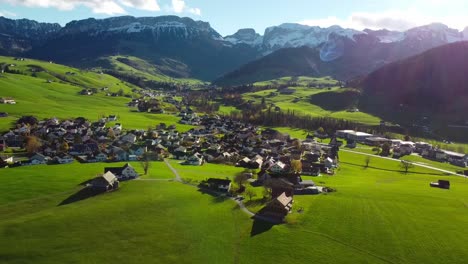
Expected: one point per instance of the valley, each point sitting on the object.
(159, 140)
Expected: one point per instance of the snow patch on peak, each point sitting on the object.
(297, 35)
(245, 36)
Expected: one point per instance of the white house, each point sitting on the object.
(123, 173)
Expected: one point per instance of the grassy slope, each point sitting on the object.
(141, 68)
(45, 100)
(304, 106)
(377, 216)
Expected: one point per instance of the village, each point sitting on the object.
(271, 159)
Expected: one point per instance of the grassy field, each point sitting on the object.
(305, 107)
(208, 170)
(373, 210)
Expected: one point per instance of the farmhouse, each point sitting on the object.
(105, 183)
(219, 184)
(126, 172)
(278, 207)
(6, 100)
(196, 160)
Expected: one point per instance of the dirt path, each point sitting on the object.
(177, 176)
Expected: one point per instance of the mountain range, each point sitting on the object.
(182, 47)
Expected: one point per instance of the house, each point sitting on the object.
(105, 183)
(101, 157)
(7, 101)
(358, 136)
(343, 133)
(64, 159)
(38, 159)
(219, 184)
(244, 163)
(120, 154)
(278, 167)
(376, 141)
(126, 172)
(138, 150)
(279, 207)
(329, 163)
(196, 160)
(443, 184)
(130, 138)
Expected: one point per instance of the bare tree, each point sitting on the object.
(145, 163)
(367, 160)
(406, 165)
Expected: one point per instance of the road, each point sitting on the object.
(397, 160)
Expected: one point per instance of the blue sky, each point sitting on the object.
(227, 16)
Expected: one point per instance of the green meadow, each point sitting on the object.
(377, 215)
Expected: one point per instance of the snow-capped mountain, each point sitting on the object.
(295, 35)
(386, 36)
(436, 32)
(183, 43)
(172, 25)
(245, 36)
(291, 35)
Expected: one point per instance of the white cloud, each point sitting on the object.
(109, 7)
(150, 5)
(179, 6)
(392, 20)
(195, 11)
(6, 13)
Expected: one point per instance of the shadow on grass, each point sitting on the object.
(217, 197)
(82, 194)
(389, 170)
(260, 226)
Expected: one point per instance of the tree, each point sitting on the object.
(145, 162)
(250, 193)
(367, 160)
(406, 165)
(385, 149)
(297, 144)
(120, 92)
(64, 147)
(111, 133)
(240, 179)
(296, 166)
(32, 144)
(407, 138)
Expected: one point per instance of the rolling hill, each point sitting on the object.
(48, 90)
